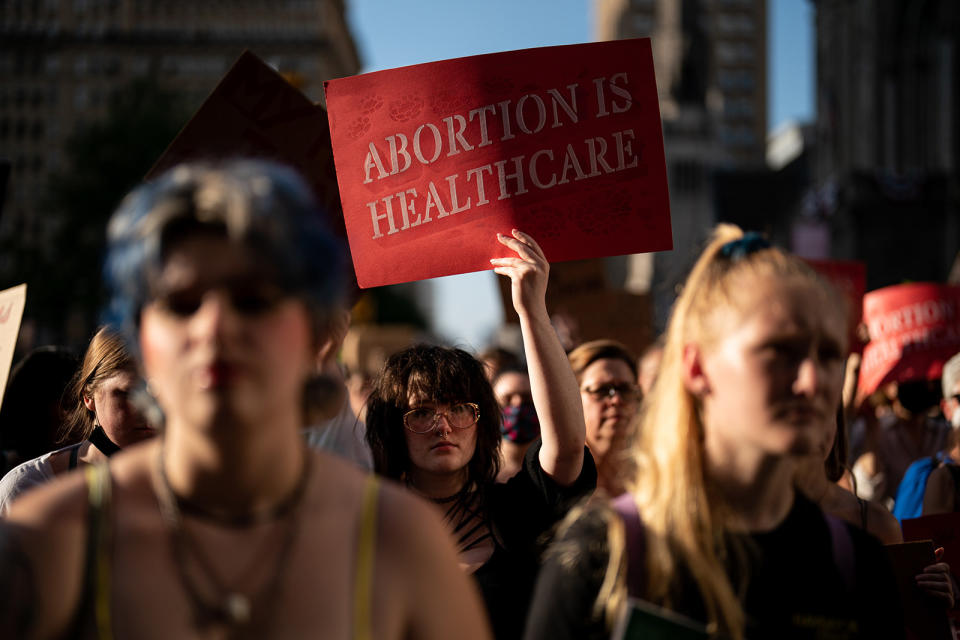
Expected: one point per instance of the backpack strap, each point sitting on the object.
(841, 543)
(626, 507)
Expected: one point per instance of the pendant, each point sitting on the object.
(237, 608)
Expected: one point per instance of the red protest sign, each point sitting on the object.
(914, 329)
(849, 278)
(562, 142)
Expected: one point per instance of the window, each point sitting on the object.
(735, 79)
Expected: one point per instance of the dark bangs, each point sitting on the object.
(448, 382)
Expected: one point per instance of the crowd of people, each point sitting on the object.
(203, 471)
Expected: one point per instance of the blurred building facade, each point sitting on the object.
(887, 150)
(711, 65)
(60, 61)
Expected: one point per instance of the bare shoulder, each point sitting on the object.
(407, 512)
(940, 477)
(42, 555)
(60, 501)
(337, 484)
(939, 495)
(882, 524)
(420, 574)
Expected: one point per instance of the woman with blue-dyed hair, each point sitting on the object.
(227, 525)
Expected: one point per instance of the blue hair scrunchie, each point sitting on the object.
(751, 242)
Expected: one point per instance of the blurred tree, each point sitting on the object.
(104, 160)
(389, 305)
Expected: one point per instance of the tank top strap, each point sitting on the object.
(97, 573)
(366, 550)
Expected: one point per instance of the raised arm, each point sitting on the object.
(552, 383)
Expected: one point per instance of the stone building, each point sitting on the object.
(711, 65)
(61, 60)
(887, 150)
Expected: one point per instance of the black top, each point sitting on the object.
(794, 588)
(521, 511)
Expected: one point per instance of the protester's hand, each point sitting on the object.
(936, 581)
(528, 272)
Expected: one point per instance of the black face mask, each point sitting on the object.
(919, 396)
(520, 423)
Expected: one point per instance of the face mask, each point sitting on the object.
(918, 396)
(520, 423)
(955, 418)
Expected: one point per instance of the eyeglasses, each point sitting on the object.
(424, 419)
(627, 392)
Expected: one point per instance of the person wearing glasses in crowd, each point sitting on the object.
(433, 423)
(227, 525)
(606, 372)
(712, 526)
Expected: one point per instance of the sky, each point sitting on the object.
(395, 33)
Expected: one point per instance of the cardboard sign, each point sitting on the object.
(849, 277)
(255, 113)
(914, 329)
(563, 143)
(12, 302)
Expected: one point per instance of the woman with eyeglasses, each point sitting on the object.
(227, 525)
(606, 372)
(433, 423)
(712, 527)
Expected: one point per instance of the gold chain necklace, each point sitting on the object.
(232, 608)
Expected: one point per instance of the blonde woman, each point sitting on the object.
(711, 526)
